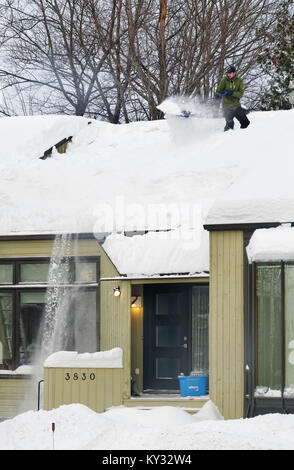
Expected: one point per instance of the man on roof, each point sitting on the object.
(231, 90)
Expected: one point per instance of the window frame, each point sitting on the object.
(19, 287)
(16, 263)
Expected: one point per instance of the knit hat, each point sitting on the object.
(231, 69)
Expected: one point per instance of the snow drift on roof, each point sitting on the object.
(272, 244)
(176, 251)
(264, 190)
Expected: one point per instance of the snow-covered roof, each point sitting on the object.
(166, 252)
(171, 176)
(264, 191)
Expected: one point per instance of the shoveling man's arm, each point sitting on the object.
(220, 89)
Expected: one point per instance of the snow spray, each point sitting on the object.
(200, 123)
(55, 329)
(64, 326)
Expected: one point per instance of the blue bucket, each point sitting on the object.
(193, 385)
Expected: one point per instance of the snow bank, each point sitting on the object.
(209, 411)
(272, 244)
(163, 428)
(101, 359)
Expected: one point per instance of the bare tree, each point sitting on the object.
(47, 45)
(182, 47)
(118, 59)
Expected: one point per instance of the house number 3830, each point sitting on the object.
(77, 376)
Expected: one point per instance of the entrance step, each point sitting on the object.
(146, 401)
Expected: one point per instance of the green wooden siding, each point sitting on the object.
(226, 324)
(13, 394)
(115, 322)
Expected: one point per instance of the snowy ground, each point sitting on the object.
(164, 428)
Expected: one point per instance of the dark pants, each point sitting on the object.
(238, 113)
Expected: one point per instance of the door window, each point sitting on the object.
(167, 368)
(200, 311)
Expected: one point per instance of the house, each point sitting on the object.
(170, 311)
(155, 266)
(251, 257)
(175, 296)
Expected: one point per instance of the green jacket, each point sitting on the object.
(236, 84)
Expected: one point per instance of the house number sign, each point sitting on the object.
(79, 376)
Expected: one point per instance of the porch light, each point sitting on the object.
(116, 291)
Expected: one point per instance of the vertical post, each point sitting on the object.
(252, 339)
(39, 388)
(283, 339)
(53, 429)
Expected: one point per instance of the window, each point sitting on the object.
(25, 290)
(200, 313)
(31, 314)
(275, 329)
(86, 271)
(33, 272)
(6, 273)
(269, 327)
(5, 328)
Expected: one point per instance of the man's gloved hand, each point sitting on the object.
(227, 92)
(185, 113)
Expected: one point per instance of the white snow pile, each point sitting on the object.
(21, 370)
(272, 244)
(80, 428)
(175, 251)
(104, 359)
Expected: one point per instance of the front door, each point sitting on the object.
(167, 348)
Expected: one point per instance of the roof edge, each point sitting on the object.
(51, 236)
(243, 226)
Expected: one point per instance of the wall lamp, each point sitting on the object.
(116, 291)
